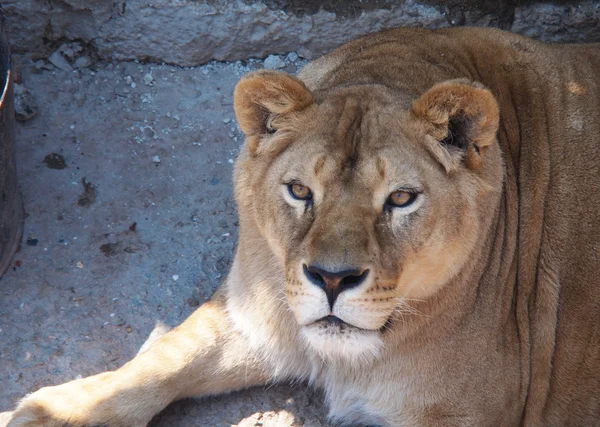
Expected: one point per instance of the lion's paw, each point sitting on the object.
(89, 402)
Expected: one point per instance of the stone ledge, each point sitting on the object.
(193, 32)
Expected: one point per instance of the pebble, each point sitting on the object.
(128, 80)
(83, 62)
(60, 62)
(175, 277)
(79, 98)
(292, 57)
(25, 106)
(227, 120)
(274, 62)
(156, 159)
(148, 79)
(305, 53)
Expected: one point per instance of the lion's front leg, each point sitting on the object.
(201, 356)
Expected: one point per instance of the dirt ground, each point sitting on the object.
(126, 178)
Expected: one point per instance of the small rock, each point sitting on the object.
(89, 194)
(156, 159)
(55, 161)
(274, 62)
(25, 106)
(128, 80)
(227, 120)
(79, 98)
(148, 79)
(175, 277)
(83, 62)
(60, 62)
(39, 64)
(110, 249)
(305, 53)
(79, 264)
(70, 50)
(292, 57)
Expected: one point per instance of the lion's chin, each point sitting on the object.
(340, 341)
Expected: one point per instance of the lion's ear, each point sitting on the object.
(262, 96)
(463, 117)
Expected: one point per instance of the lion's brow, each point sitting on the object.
(348, 131)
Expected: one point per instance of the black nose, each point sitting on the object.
(334, 283)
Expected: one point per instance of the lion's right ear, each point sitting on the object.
(262, 96)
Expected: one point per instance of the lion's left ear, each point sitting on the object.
(261, 97)
(463, 117)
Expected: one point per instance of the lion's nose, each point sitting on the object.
(334, 283)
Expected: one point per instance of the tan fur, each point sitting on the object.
(480, 304)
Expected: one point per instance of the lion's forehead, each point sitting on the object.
(391, 164)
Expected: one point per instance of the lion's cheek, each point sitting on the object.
(426, 271)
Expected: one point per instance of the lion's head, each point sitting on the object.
(368, 199)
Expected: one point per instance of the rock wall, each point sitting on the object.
(193, 32)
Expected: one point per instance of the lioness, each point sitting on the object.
(419, 236)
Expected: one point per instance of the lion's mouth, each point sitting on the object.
(332, 320)
(335, 322)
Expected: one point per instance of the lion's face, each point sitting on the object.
(365, 202)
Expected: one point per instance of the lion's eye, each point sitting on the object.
(299, 191)
(401, 199)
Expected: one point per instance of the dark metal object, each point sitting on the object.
(11, 209)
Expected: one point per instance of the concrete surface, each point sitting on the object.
(192, 32)
(154, 145)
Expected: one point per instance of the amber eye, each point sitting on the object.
(299, 191)
(401, 199)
